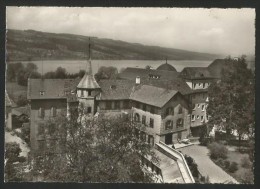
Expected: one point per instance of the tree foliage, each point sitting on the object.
(94, 150)
(106, 73)
(232, 99)
(20, 72)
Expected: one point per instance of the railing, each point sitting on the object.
(184, 168)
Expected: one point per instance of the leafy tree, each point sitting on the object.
(94, 150)
(60, 73)
(106, 73)
(232, 99)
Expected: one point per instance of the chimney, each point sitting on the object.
(137, 80)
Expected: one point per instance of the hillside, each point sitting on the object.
(31, 45)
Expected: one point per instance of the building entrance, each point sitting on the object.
(168, 139)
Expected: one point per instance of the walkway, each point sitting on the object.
(205, 165)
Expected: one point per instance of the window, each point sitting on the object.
(82, 92)
(108, 105)
(137, 105)
(137, 117)
(179, 123)
(193, 106)
(204, 85)
(144, 107)
(198, 105)
(168, 125)
(203, 107)
(51, 129)
(117, 104)
(143, 136)
(152, 110)
(41, 129)
(41, 113)
(150, 140)
(143, 119)
(89, 110)
(192, 117)
(125, 104)
(53, 111)
(169, 111)
(151, 122)
(198, 116)
(180, 110)
(201, 118)
(89, 93)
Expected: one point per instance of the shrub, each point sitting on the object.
(22, 100)
(192, 165)
(217, 150)
(12, 151)
(227, 164)
(245, 162)
(220, 162)
(233, 167)
(22, 159)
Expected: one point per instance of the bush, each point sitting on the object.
(233, 167)
(12, 151)
(227, 164)
(22, 159)
(220, 162)
(192, 165)
(22, 101)
(217, 150)
(245, 162)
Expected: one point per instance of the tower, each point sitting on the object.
(88, 89)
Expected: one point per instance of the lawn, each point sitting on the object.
(241, 172)
(14, 91)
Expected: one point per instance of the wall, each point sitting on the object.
(35, 120)
(176, 102)
(155, 131)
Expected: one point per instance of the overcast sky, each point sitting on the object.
(224, 31)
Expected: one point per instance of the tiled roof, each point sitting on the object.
(195, 73)
(166, 67)
(152, 95)
(115, 89)
(51, 88)
(216, 66)
(21, 110)
(132, 73)
(176, 84)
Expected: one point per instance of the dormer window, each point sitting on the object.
(113, 87)
(41, 93)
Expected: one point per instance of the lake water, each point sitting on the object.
(73, 66)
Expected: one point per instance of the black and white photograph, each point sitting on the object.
(129, 95)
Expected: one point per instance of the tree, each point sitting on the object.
(60, 73)
(106, 73)
(232, 99)
(94, 150)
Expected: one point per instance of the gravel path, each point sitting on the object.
(207, 167)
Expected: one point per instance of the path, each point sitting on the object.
(206, 166)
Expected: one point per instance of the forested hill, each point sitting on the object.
(31, 45)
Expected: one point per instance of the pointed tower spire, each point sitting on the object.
(88, 81)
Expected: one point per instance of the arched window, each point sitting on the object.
(137, 117)
(180, 110)
(179, 122)
(168, 125)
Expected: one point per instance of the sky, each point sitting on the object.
(218, 31)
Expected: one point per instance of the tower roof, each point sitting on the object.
(88, 81)
(166, 67)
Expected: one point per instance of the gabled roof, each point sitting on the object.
(195, 73)
(115, 89)
(132, 73)
(216, 67)
(152, 95)
(166, 67)
(51, 88)
(177, 84)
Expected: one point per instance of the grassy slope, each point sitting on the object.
(29, 44)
